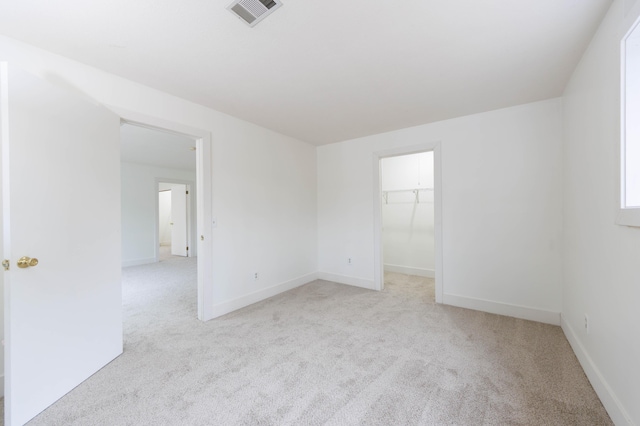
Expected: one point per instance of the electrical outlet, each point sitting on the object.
(586, 323)
(255, 276)
(349, 261)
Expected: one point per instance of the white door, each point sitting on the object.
(164, 217)
(61, 205)
(179, 241)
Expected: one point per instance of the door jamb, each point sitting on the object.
(5, 248)
(204, 198)
(378, 263)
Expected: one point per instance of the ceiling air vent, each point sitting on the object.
(253, 11)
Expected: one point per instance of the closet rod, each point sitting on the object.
(410, 189)
(416, 191)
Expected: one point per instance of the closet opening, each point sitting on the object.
(408, 224)
(407, 192)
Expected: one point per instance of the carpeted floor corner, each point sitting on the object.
(326, 353)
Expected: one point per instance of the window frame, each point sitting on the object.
(627, 216)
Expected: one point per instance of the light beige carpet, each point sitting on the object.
(326, 353)
(420, 288)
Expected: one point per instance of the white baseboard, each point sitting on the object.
(516, 311)
(137, 262)
(250, 299)
(609, 399)
(343, 279)
(408, 270)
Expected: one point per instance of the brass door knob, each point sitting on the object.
(25, 262)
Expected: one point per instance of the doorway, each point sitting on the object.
(148, 157)
(410, 196)
(154, 151)
(202, 215)
(408, 238)
(174, 224)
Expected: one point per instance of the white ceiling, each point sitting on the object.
(152, 147)
(325, 71)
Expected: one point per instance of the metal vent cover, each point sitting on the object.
(253, 11)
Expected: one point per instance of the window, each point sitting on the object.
(630, 131)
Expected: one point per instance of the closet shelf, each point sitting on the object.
(416, 191)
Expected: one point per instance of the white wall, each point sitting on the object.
(601, 259)
(408, 234)
(263, 185)
(139, 204)
(501, 208)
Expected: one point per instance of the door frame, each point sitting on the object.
(378, 255)
(4, 246)
(204, 197)
(189, 186)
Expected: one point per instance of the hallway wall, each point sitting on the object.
(139, 207)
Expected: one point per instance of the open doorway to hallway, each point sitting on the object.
(159, 216)
(408, 224)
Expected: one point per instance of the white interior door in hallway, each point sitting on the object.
(164, 216)
(61, 205)
(179, 229)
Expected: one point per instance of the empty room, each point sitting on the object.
(414, 213)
